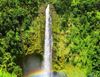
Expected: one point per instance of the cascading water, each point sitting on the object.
(32, 63)
(47, 64)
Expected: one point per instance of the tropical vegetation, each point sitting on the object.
(75, 29)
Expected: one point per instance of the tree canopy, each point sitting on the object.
(75, 29)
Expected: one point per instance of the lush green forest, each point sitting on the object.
(75, 29)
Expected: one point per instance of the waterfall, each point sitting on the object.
(47, 64)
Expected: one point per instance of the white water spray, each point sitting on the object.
(47, 65)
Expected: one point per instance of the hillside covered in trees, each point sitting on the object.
(75, 29)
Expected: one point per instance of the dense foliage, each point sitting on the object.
(75, 28)
(6, 74)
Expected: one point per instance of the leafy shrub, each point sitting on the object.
(6, 74)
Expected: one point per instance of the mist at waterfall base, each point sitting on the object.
(33, 67)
